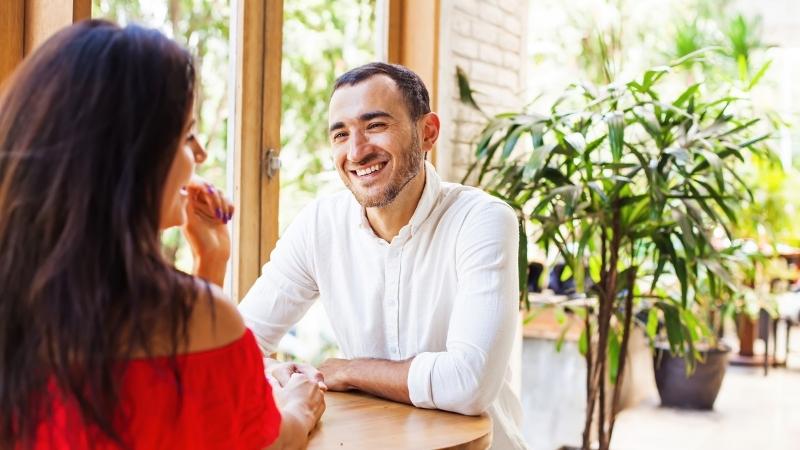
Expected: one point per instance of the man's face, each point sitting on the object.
(376, 146)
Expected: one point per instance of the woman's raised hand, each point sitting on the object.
(206, 230)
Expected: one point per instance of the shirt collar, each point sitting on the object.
(430, 195)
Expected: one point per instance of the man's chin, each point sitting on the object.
(371, 200)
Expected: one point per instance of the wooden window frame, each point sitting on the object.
(413, 32)
(258, 40)
(25, 24)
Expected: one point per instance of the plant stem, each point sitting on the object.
(587, 435)
(626, 332)
(606, 311)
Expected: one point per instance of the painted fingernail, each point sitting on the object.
(219, 213)
(209, 189)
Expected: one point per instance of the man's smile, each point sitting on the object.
(369, 172)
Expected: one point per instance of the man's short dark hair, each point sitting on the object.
(410, 84)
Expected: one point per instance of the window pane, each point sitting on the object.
(203, 26)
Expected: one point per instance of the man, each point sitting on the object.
(418, 276)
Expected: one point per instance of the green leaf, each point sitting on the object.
(688, 93)
(561, 335)
(760, 74)
(465, 91)
(566, 273)
(537, 160)
(652, 323)
(673, 325)
(576, 141)
(583, 343)
(613, 355)
(511, 140)
(616, 134)
(522, 261)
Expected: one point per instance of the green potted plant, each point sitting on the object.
(695, 383)
(627, 184)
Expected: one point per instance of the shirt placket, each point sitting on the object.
(392, 298)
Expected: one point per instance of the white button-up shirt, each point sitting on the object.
(444, 291)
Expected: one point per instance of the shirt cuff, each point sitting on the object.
(420, 390)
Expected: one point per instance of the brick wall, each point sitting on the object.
(486, 38)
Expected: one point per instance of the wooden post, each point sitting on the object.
(12, 29)
(413, 34)
(25, 24)
(256, 131)
(45, 17)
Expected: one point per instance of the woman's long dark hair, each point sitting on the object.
(89, 126)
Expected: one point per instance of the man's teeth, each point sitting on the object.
(369, 170)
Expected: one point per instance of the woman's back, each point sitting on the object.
(224, 401)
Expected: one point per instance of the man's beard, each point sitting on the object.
(410, 167)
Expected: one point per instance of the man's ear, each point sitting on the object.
(429, 131)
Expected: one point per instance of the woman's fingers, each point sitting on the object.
(199, 202)
(210, 201)
(223, 208)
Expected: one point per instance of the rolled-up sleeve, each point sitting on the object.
(467, 377)
(286, 288)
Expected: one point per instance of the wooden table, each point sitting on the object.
(354, 420)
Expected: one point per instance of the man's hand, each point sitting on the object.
(281, 372)
(335, 371)
(380, 377)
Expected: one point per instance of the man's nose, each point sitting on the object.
(359, 147)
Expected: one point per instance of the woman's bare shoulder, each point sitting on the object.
(215, 320)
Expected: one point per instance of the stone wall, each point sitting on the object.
(487, 39)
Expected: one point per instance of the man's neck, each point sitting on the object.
(386, 222)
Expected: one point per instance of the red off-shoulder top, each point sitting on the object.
(227, 404)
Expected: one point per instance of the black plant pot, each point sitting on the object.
(699, 390)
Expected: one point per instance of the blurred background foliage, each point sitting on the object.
(321, 40)
(604, 41)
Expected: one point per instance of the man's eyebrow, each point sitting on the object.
(363, 118)
(336, 126)
(374, 115)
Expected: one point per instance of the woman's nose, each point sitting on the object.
(200, 154)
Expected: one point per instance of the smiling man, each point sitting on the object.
(418, 276)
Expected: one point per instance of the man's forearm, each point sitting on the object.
(379, 377)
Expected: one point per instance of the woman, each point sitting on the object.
(103, 343)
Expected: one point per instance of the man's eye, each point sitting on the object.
(375, 125)
(339, 135)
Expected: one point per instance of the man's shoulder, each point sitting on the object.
(471, 200)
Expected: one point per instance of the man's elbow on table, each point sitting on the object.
(455, 385)
(470, 402)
